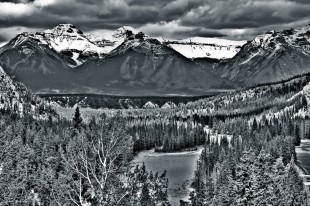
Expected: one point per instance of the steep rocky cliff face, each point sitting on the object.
(270, 57)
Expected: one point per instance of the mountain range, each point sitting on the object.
(129, 62)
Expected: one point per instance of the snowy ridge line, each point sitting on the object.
(199, 47)
(68, 38)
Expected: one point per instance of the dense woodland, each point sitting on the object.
(257, 168)
(70, 163)
(184, 127)
(78, 161)
(258, 165)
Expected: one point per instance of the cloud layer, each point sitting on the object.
(233, 19)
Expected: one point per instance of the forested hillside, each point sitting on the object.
(154, 103)
(249, 138)
(70, 163)
(257, 166)
(49, 160)
(16, 98)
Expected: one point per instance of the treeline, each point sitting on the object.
(247, 100)
(115, 102)
(305, 76)
(166, 135)
(257, 168)
(182, 128)
(70, 163)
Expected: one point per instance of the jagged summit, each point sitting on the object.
(119, 34)
(64, 29)
(68, 40)
(292, 37)
(271, 56)
(124, 29)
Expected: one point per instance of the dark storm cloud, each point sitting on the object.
(302, 1)
(201, 32)
(168, 18)
(17, 1)
(207, 33)
(176, 9)
(245, 13)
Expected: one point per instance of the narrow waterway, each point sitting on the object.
(303, 155)
(180, 169)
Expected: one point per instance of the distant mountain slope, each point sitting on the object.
(36, 65)
(129, 62)
(65, 60)
(145, 67)
(270, 57)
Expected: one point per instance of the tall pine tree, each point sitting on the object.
(77, 121)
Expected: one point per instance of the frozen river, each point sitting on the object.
(180, 169)
(303, 155)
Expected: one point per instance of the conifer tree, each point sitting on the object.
(77, 120)
(145, 196)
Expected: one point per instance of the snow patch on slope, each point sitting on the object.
(3, 43)
(75, 58)
(251, 57)
(169, 105)
(215, 41)
(150, 105)
(199, 47)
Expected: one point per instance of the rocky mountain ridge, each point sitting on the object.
(272, 56)
(127, 61)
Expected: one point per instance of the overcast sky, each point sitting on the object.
(232, 19)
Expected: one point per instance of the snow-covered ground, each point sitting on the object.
(2, 43)
(303, 155)
(199, 47)
(180, 169)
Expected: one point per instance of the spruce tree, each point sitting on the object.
(297, 136)
(77, 120)
(145, 196)
(294, 188)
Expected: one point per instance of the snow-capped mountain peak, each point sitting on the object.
(291, 37)
(124, 30)
(64, 29)
(68, 40)
(271, 56)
